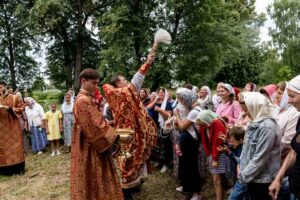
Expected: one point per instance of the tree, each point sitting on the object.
(246, 68)
(15, 44)
(125, 33)
(286, 16)
(39, 84)
(66, 23)
(205, 35)
(218, 35)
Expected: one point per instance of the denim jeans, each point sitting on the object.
(239, 191)
(292, 197)
(285, 190)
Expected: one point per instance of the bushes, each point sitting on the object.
(45, 98)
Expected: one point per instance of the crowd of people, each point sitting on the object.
(249, 141)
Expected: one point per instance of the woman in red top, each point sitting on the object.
(211, 127)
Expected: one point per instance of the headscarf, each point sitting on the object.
(254, 87)
(30, 101)
(294, 84)
(236, 92)
(161, 119)
(271, 90)
(195, 89)
(19, 94)
(207, 116)
(259, 107)
(208, 96)
(67, 108)
(188, 97)
(284, 103)
(229, 88)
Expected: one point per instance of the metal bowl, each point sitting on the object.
(124, 131)
(125, 134)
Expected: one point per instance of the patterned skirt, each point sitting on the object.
(223, 165)
(68, 123)
(38, 138)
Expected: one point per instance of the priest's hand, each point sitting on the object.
(150, 59)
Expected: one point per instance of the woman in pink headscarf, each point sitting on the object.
(269, 91)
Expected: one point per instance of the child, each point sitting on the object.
(234, 150)
(53, 124)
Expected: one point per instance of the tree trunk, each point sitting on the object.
(67, 59)
(79, 44)
(11, 60)
(79, 52)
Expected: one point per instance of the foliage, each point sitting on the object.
(205, 33)
(73, 46)
(45, 98)
(17, 66)
(212, 40)
(39, 83)
(286, 39)
(244, 69)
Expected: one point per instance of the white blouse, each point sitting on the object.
(35, 115)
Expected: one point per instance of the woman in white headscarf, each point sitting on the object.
(229, 109)
(68, 120)
(287, 118)
(160, 110)
(260, 158)
(292, 160)
(35, 117)
(188, 174)
(205, 99)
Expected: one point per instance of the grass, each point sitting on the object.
(47, 178)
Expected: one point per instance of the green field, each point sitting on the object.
(48, 178)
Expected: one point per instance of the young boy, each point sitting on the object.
(234, 149)
(53, 124)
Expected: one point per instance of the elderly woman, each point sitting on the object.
(229, 109)
(189, 144)
(68, 120)
(205, 99)
(35, 116)
(292, 160)
(212, 128)
(260, 159)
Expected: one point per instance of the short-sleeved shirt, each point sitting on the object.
(53, 124)
(192, 116)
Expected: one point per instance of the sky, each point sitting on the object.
(261, 7)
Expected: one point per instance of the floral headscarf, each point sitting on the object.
(188, 96)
